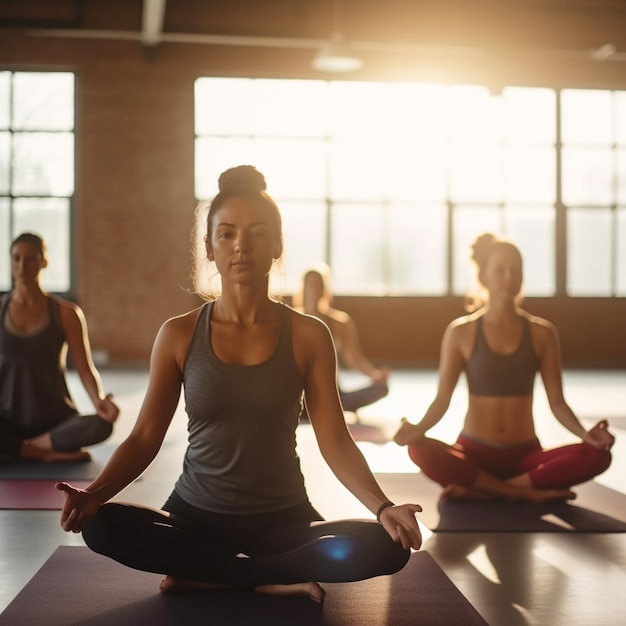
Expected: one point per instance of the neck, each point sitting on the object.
(243, 306)
(27, 294)
(501, 311)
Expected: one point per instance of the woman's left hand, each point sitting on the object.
(599, 436)
(399, 521)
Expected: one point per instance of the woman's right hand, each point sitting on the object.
(79, 507)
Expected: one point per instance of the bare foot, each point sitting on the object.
(406, 433)
(519, 494)
(458, 492)
(300, 590)
(35, 453)
(540, 496)
(171, 585)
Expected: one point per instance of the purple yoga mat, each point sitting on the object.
(77, 586)
(33, 494)
(597, 509)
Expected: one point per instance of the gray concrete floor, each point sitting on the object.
(530, 579)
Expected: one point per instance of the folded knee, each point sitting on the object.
(100, 532)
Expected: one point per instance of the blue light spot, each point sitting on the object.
(336, 548)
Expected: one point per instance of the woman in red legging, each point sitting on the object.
(501, 347)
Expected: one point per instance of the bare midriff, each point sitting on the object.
(505, 420)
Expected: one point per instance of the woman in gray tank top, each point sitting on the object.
(38, 418)
(239, 514)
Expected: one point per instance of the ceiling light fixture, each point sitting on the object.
(336, 55)
(603, 52)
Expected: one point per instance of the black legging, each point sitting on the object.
(285, 547)
(353, 400)
(73, 433)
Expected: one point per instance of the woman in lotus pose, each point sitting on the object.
(315, 299)
(38, 419)
(501, 347)
(239, 514)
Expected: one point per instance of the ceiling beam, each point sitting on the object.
(152, 22)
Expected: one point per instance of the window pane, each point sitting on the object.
(621, 176)
(620, 106)
(5, 242)
(533, 231)
(213, 156)
(417, 249)
(5, 159)
(223, 106)
(357, 109)
(49, 218)
(416, 113)
(589, 246)
(422, 177)
(290, 107)
(586, 116)
(37, 148)
(587, 176)
(473, 115)
(355, 170)
(476, 174)
(292, 167)
(5, 99)
(43, 164)
(621, 252)
(529, 115)
(530, 175)
(304, 229)
(43, 101)
(357, 256)
(467, 224)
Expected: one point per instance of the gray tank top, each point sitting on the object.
(34, 395)
(241, 456)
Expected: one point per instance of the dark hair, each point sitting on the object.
(247, 182)
(322, 271)
(242, 181)
(481, 250)
(34, 240)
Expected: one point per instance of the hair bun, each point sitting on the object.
(241, 178)
(482, 247)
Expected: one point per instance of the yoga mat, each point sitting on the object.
(33, 494)
(597, 509)
(59, 471)
(77, 586)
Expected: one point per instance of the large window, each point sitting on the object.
(37, 168)
(389, 183)
(594, 191)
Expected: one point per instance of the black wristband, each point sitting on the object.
(382, 507)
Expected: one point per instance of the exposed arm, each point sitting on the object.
(335, 442)
(354, 357)
(77, 337)
(138, 450)
(451, 363)
(551, 373)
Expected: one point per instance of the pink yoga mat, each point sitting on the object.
(33, 494)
